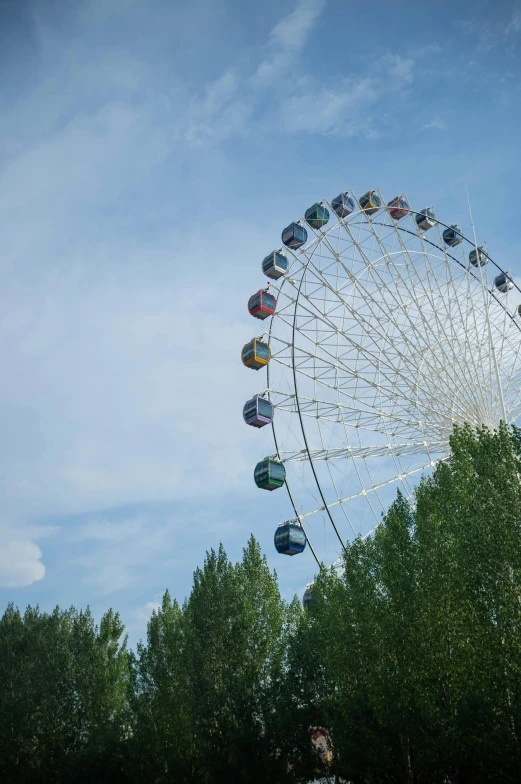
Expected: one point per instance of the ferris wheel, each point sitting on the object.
(385, 327)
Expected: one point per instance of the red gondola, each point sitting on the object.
(262, 304)
(398, 208)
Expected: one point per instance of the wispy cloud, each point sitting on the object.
(230, 101)
(433, 48)
(346, 110)
(491, 32)
(286, 41)
(436, 124)
(513, 29)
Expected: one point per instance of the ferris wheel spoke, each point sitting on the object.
(404, 310)
(323, 409)
(365, 492)
(372, 357)
(440, 301)
(405, 285)
(334, 329)
(397, 420)
(385, 450)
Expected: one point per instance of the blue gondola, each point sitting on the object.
(275, 265)
(503, 283)
(306, 599)
(258, 411)
(452, 235)
(317, 216)
(479, 258)
(343, 205)
(290, 539)
(425, 219)
(294, 236)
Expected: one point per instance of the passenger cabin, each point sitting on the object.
(258, 411)
(294, 236)
(370, 202)
(452, 235)
(317, 216)
(269, 474)
(425, 219)
(275, 265)
(306, 599)
(262, 304)
(503, 283)
(290, 539)
(398, 208)
(255, 354)
(519, 310)
(343, 205)
(478, 258)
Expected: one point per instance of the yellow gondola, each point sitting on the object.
(370, 202)
(256, 354)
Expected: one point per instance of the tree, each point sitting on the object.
(63, 682)
(163, 746)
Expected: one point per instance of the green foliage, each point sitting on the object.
(63, 683)
(420, 637)
(411, 658)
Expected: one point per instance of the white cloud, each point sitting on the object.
(287, 39)
(514, 26)
(339, 112)
(399, 70)
(20, 559)
(433, 48)
(299, 101)
(141, 615)
(492, 32)
(227, 104)
(436, 124)
(118, 383)
(293, 30)
(347, 109)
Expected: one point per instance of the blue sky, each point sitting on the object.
(150, 154)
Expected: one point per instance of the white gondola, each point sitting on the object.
(426, 219)
(275, 265)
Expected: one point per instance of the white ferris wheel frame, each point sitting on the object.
(302, 262)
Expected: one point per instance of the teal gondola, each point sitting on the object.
(269, 474)
(317, 216)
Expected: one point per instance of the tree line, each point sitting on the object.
(408, 662)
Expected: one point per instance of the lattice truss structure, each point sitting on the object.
(383, 337)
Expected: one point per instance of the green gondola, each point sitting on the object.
(269, 474)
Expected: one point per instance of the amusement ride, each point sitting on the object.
(383, 327)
